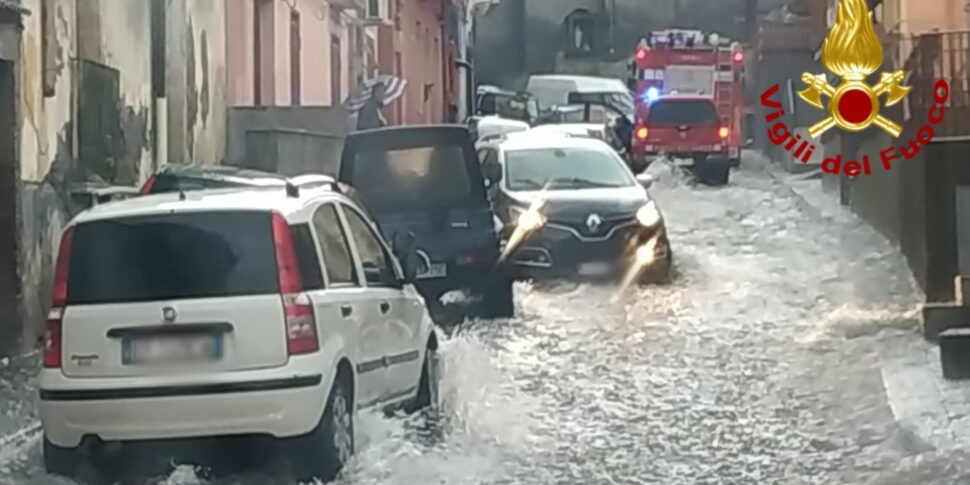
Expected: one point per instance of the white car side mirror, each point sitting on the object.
(646, 180)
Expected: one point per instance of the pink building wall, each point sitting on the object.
(317, 27)
(421, 44)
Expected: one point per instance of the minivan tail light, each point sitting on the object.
(54, 325)
(723, 132)
(300, 322)
(642, 133)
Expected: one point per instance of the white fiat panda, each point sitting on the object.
(225, 313)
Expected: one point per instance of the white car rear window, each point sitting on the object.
(172, 256)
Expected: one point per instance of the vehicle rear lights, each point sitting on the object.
(642, 133)
(641, 54)
(723, 132)
(739, 57)
(301, 325)
(149, 184)
(53, 328)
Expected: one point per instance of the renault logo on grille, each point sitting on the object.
(593, 222)
(169, 314)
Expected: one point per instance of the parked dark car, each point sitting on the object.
(426, 180)
(571, 208)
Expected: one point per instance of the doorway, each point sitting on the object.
(9, 276)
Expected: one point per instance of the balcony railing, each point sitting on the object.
(934, 56)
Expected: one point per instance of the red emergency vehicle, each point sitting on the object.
(678, 75)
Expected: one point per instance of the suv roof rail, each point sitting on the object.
(293, 184)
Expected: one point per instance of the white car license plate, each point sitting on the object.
(176, 349)
(594, 269)
(436, 270)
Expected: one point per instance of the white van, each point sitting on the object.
(553, 89)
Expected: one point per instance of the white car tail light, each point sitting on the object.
(53, 330)
(301, 325)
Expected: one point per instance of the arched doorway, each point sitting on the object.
(581, 33)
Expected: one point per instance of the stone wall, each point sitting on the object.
(316, 132)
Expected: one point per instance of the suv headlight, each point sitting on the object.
(526, 219)
(649, 215)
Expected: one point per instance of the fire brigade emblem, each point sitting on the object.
(852, 51)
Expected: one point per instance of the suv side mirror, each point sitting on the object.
(646, 180)
(404, 247)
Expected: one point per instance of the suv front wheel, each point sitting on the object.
(321, 454)
(498, 298)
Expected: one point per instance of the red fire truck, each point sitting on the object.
(688, 65)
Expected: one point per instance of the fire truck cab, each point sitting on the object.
(689, 96)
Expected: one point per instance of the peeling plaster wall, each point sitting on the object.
(45, 140)
(196, 81)
(116, 34)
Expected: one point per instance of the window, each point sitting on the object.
(565, 169)
(173, 256)
(378, 269)
(334, 247)
(158, 21)
(374, 8)
(336, 70)
(682, 113)
(296, 70)
(48, 47)
(487, 156)
(257, 54)
(423, 176)
(306, 255)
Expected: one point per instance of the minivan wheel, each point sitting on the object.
(65, 462)
(321, 454)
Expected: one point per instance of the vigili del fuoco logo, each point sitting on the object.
(852, 52)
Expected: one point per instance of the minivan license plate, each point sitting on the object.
(175, 349)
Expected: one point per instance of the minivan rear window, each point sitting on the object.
(682, 112)
(424, 176)
(173, 256)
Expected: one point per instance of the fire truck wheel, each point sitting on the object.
(713, 171)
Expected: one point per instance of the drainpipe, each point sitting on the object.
(612, 27)
(469, 86)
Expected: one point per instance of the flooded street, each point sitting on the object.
(760, 364)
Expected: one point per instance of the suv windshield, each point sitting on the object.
(425, 176)
(172, 256)
(564, 169)
(682, 112)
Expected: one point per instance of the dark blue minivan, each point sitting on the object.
(426, 180)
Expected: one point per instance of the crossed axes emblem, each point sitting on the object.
(854, 105)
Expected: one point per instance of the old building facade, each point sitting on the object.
(534, 36)
(106, 91)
